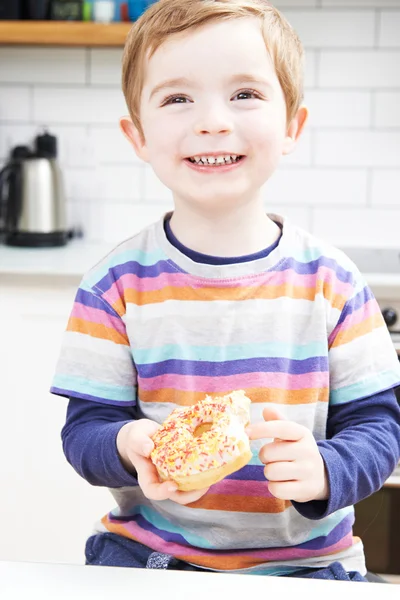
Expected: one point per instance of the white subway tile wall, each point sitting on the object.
(389, 28)
(342, 182)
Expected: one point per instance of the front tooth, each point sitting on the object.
(212, 160)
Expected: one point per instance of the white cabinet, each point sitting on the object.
(47, 509)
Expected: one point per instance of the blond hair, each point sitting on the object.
(167, 17)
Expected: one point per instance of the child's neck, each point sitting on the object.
(243, 231)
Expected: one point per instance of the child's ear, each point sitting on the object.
(294, 130)
(135, 137)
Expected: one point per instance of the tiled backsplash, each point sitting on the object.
(342, 182)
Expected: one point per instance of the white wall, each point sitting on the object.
(343, 182)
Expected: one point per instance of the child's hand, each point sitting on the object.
(293, 464)
(134, 445)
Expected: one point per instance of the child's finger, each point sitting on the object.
(188, 497)
(149, 481)
(283, 430)
(282, 471)
(270, 413)
(285, 490)
(278, 451)
(142, 444)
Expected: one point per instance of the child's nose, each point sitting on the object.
(213, 122)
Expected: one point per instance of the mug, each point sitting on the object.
(103, 11)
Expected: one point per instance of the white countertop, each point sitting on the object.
(74, 259)
(392, 482)
(36, 581)
(78, 256)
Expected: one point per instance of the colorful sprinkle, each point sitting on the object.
(178, 450)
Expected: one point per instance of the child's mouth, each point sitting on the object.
(215, 161)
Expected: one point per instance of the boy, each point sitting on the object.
(219, 296)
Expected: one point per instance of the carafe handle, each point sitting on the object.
(10, 203)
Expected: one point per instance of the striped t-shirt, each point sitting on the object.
(297, 329)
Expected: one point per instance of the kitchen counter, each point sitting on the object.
(74, 259)
(392, 482)
(54, 581)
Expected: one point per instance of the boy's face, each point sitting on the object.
(214, 93)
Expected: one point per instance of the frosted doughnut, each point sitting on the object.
(201, 444)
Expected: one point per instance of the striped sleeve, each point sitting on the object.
(362, 359)
(95, 361)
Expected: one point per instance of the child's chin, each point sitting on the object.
(216, 199)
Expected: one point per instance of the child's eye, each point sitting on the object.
(247, 95)
(175, 99)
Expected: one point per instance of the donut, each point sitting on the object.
(201, 444)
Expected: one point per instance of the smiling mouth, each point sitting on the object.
(215, 161)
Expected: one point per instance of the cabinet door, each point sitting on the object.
(48, 510)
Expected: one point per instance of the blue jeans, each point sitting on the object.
(111, 550)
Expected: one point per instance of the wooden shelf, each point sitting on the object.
(63, 33)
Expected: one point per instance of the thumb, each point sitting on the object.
(272, 414)
(142, 443)
(257, 431)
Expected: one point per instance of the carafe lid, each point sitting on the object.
(46, 146)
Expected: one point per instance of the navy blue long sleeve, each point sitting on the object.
(361, 450)
(89, 442)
